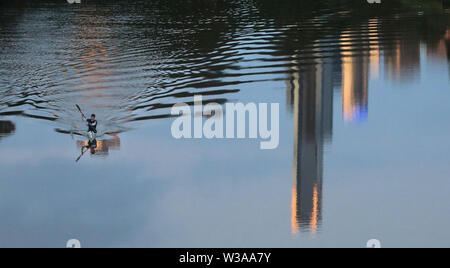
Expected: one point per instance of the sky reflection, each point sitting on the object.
(363, 148)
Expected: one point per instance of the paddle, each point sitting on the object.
(79, 109)
(82, 153)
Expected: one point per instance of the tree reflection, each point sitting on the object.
(7, 128)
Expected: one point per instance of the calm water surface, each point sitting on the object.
(364, 131)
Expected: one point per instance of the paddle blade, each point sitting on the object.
(79, 109)
(81, 155)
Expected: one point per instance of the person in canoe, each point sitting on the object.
(92, 127)
(92, 124)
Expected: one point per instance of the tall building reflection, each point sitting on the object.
(402, 60)
(310, 90)
(311, 98)
(355, 80)
(374, 48)
(91, 59)
(441, 49)
(361, 55)
(447, 43)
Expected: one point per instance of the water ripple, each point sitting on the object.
(134, 65)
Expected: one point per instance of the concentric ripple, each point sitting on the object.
(131, 61)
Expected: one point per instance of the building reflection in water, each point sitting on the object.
(91, 58)
(375, 49)
(355, 78)
(310, 92)
(402, 58)
(441, 49)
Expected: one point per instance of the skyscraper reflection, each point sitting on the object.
(374, 48)
(360, 56)
(355, 79)
(440, 50)
(312, 101)
(310, 90)
(402, 60)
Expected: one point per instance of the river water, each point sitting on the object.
(364, 103)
